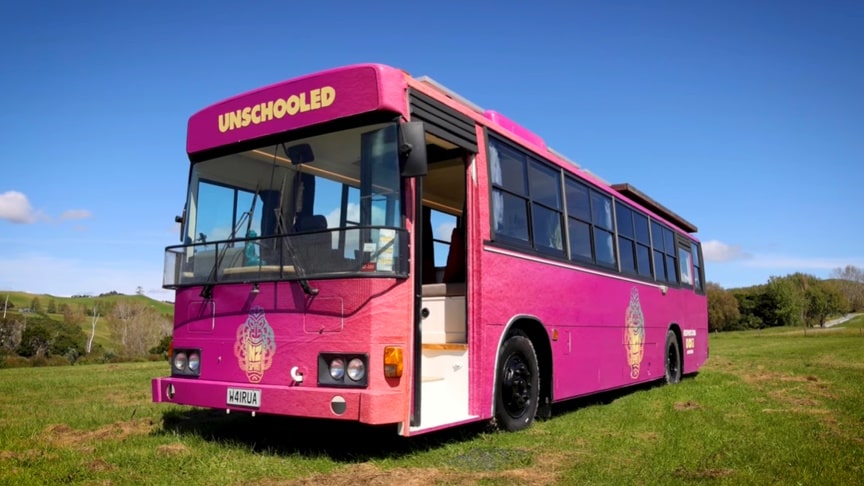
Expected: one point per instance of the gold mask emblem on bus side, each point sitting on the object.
(634, 333)
(255, 345)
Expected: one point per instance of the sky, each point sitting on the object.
(744, 117)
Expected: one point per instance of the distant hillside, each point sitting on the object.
(20, 305)
(23, 300)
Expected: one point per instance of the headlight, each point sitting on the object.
(337, 369)
(180, 361)
(194, 362)
(356, 369)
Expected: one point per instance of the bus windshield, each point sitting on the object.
(321, 207)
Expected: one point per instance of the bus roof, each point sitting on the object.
(649, 203)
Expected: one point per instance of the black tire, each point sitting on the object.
(673, 358)
(518, 384)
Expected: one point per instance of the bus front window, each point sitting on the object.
(321, 207)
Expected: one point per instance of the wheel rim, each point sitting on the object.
(516, 386)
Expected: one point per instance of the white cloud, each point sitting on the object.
(717, 251)
(75, 214)
(15, 208)
(444, 231)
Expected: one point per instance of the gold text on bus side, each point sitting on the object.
(313, 99)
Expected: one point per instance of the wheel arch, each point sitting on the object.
(676, 328)
(531, 327)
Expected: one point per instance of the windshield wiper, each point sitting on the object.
(304, 284)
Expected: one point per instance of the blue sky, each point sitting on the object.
(745, 117)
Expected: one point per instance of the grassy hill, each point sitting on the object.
(22, 301)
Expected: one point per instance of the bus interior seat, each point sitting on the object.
(429, 273)
(314, 222)
(454, 272)
(315, 241)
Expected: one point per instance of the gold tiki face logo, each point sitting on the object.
(634, 333)
(255, 345)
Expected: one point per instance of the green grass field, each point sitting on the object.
(776, 407)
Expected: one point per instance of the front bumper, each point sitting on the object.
(362, 405)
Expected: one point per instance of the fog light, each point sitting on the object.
(356, 369)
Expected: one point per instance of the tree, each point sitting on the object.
(824, 299)
(818, 306)
(162, 348)
(10, 335)
(837, 299)
(52, 306)
(37, 337)
(70, 315)
(36, 305)
(851, 280)
(789, 301)
(137, 327)
(755, 306)
(723, 314)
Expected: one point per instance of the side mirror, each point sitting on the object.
(412, 149)
(182, 220)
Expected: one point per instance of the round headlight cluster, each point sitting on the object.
(356, 369)
(187, 362)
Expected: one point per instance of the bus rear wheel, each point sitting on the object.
(673, 358)
(518, 384)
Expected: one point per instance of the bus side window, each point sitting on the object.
(684, 262)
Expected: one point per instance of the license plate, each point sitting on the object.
(244, 398)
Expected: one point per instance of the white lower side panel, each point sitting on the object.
(444, 390)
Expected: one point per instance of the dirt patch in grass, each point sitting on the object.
(761, 375)
(796, 390)
(688, 405)
(172, 449)
(648, 436)
(814, 411)
(28, 456)
(64, 436)
(542, 472)
(99, 465)
(792, 396)
(695, 475)
(835, 362)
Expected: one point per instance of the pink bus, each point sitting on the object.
(359, 244)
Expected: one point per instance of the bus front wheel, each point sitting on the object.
(673, 358)
(518, 384)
